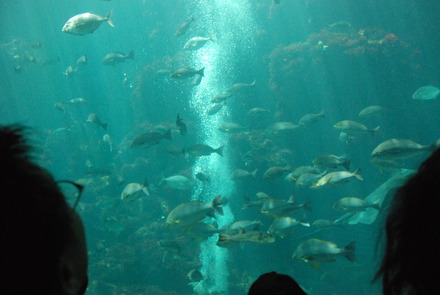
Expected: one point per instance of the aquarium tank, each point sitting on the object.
(218, 140)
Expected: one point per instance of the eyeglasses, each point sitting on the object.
(72, 191)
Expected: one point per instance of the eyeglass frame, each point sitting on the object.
(78, 186)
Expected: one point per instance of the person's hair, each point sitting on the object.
(411, 234)
(273, 283)
(35, 220)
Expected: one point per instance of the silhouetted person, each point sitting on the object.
(273, 283)
(412, 252)
(43, 249)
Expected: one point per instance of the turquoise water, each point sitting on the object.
(305, 57)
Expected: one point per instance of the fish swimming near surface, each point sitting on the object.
(86, 23)
(426, 93)
(114, 58)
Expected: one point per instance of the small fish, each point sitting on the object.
(133, 188)
(60, 106)
(215, 109)
(81, 61)
(325, 224)
(85, 23)
(426, 93)
(316, 251)
(231, 127)
(114, 58)
(192, 212)
(353, 127)
(93, 118)
(179, 182)
(239, 174)
(200, 150)
(309, 178)
(353, 204)
(276, 172)
(256, 237)
(301, 170)
(184, 73)
(243, 225)
(400, 149)
(332, 161)
(197, 80)
(281, 128)
(310, 119)
(78, 100)
(196, 43)
(254, 112)
(284, 225)
(70, 71)
(238, 87)
(220, 97)
(282, 207)
(107, 138)
(149, 139)
(371, 111)
(338, 177)
(181, 125)
(183, 27)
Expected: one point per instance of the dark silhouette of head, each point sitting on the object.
(273, 283)
(412, 230)
(43, 245)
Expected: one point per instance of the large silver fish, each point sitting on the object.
(85, 23)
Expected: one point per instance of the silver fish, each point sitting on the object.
(85, 23)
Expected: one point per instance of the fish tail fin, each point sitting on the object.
(217, 204)
(346, 164)
(220, 150)
(253, 174)
(145, 190)
(357, 174)
(349, 251)
(167, 134)
(104, 125)
(108, 18)
(201, 72)
(131, 55)
(375, 129)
